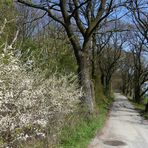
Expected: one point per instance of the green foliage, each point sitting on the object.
(145, 99)
(141, 109)
(1, 141)
(53, 55)
(146, 115)
(8, 2)
(9, 13)
(139, 106)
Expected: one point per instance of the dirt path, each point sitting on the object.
(125, 128)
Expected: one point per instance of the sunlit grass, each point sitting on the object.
(141, 109)
(80, 135)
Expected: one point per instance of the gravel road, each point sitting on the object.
(125, 128)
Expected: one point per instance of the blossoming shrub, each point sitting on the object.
(31, 104)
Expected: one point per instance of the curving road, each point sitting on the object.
(125, 128)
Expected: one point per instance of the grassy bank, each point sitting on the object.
(79, 135)
(141, 109)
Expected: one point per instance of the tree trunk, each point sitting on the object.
(130, 91)
(146, 108)
(123, 87)
(126, 90)
(107, 88)
(83, 57)
(85, 80)
(102, 80)
(137, 94)
(93, 55)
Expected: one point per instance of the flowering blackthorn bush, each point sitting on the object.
(30, 103)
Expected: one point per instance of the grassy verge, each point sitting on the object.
(79, 135)
(141, 109)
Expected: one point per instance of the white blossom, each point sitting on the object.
(28, 99)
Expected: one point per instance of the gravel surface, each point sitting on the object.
(125, 127)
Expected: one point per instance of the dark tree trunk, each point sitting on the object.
(130, 91)
(126, 90)
(123, 88)
(107, 87)
(146, 108)
(137, 94)
(102, 79)
(104, 84)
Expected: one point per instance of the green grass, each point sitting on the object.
(145, 99)
(141, 109)
(80, 135)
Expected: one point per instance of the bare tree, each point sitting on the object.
(85, 16)
(29, 21)
(110, 43)
(139, 10)
(140, 67)
(108, 62)
(126, 68)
